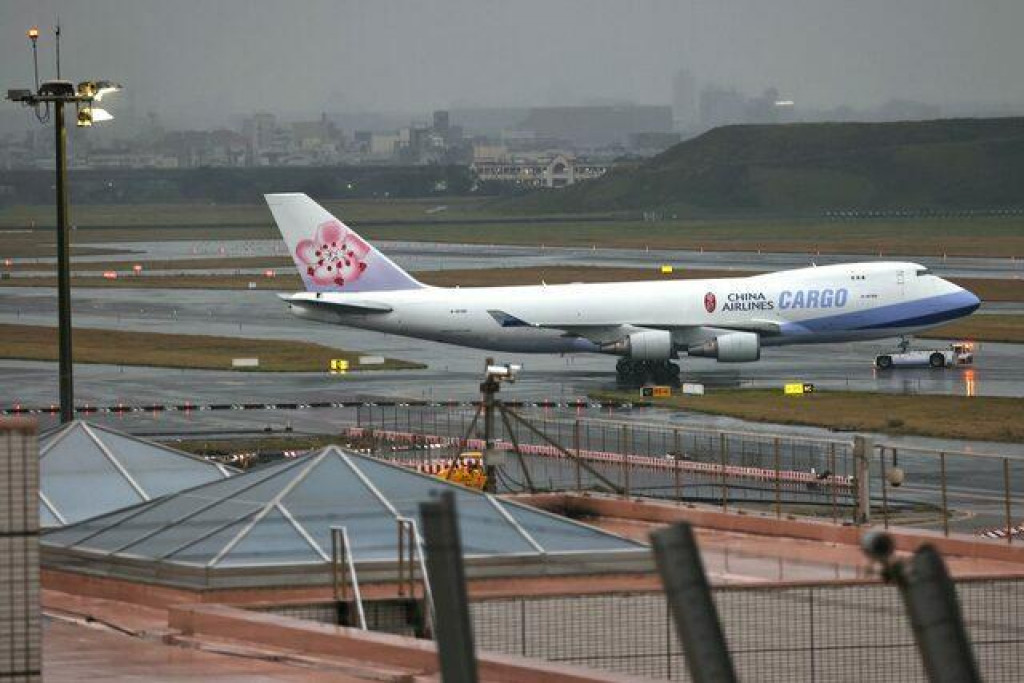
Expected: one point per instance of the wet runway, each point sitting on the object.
(452, 371)
(438, 256)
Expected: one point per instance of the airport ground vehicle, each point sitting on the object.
(960, 353)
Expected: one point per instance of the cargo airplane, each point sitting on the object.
(349, 282)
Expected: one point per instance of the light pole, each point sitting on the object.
(59, 93)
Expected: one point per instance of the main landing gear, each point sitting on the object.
(636, 373)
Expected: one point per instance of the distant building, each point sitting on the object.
(483, 152)
(685, 101)
(557, 171)
(195, 148)
(652, 143)
(384, 145)
(599, 126)
(721, 106)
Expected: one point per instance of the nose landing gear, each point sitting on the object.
(636, 373)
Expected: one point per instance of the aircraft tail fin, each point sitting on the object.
(329, 255)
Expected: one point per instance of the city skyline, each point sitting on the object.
(178, 60)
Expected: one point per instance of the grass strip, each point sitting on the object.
(978, 236)
(979, 418)
(202, 352)
(979, 327)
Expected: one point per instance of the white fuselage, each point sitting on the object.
(811, 305)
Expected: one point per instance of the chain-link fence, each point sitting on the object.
(815, 632)
(781, 473)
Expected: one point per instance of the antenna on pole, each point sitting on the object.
(33, 35)
(58, 48)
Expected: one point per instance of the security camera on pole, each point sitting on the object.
(57, 93)
(494, 375)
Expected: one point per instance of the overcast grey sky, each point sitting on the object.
(199, 61)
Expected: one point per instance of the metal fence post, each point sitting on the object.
(725, 480)
(576, 447)
(448, 580)
(832, 483)
(885, 488)
(1006, 500)
(336, 571)
(625, 461)
(945, 504)
(861, 477)
(778, 477)
(678, 458)
(689, 598)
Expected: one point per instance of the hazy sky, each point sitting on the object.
(201, 61)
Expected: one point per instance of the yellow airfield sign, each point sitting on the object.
(338, 366)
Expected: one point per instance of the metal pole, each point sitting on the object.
(625, 462)
(493, 473)
(679, 456)
(335, 550)
(832, 483)
(576, 447)
(448, 581)
(1006, 500)
(861, 475)
(778, 477)
(65, 361)
(689, 599)
(568, 454)
(725, 480)
(885, 489)
(401, 558)
(931, 601)
(945, 505)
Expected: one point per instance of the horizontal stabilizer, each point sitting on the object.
(357, 307)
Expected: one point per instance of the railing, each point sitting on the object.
(342, 561)
(410, 558)
(836, 631)
(772, 471)
(994, 481)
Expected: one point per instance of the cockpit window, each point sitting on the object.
(923, 271)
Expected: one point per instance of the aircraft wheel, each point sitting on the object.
(666, 372)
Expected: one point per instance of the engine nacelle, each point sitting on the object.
(735, 347)
(645, 345)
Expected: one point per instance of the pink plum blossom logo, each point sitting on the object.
(335, 255)
(710, 302)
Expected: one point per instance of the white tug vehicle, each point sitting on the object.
(958, 353)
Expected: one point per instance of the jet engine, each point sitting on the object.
(645, 345)
(734, 347)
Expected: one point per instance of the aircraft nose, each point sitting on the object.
(971, 300)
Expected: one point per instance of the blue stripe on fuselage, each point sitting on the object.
(922, 312)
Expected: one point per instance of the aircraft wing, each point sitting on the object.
(608, 333)
(359, 307)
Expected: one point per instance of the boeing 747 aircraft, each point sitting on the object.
(648, 324)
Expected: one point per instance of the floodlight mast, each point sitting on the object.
(59, 93)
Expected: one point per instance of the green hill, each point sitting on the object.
(943, 164)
